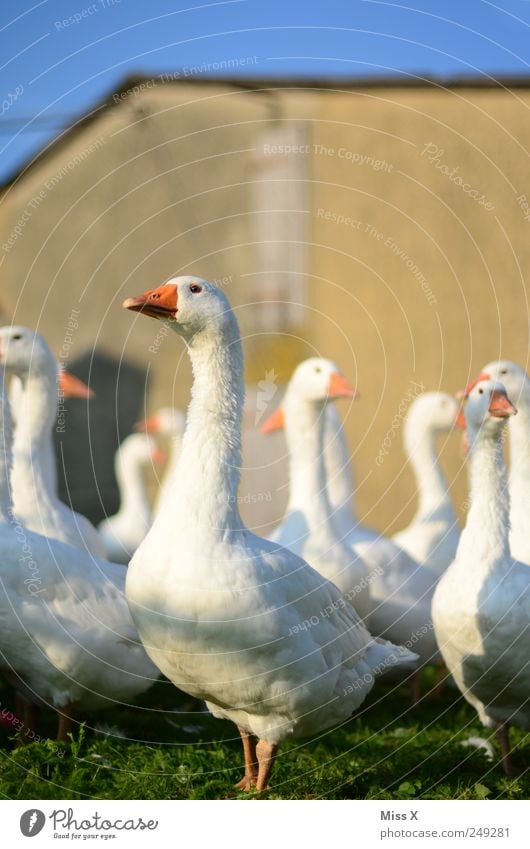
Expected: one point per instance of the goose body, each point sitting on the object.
(481, 607)
(399, 589)
(517, 384)
(227, 616)
(432, 537)
(67, 639)
(26, 355)
(309, 528)
(123, 532)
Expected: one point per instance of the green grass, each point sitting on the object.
(390, 750)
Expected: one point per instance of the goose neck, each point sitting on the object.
(211, 445)
(339, 470)
(420, 445)
(485, 539)
(133, 496)
(37, 410)
(304, 425)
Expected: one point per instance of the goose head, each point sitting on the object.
(433, 413)
(24, 353)
(513, 377)
(167, 421)
(488, 406)
(314, 381)
(188, 305)
(141, 450)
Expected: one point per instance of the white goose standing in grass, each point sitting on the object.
(517, 384)
(399, 589)
(432, 537)
(67, 639)
(26, 355)
(481, 607)
(168, 422)
(222, 612)
(123, 532)
(308, 528)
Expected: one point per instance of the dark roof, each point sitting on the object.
(256, 84)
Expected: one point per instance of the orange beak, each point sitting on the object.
(276, 421)
(463, 393)
(500, 405)
(149, 425)
(157, 303)
(339, 387)
(71, 387)
(460, 420)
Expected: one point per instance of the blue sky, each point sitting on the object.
(59, 56)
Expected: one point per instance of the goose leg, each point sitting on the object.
(266, 753)
(503, 733)
(248, 782)
(65, 722)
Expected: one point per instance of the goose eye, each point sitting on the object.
(195, 288)
(318, 369)
(17, 336)
(481, 392)
(504, 371)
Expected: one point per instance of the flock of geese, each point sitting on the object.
(284, 636)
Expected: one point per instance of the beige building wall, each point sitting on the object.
(357, 227)
(427, 282)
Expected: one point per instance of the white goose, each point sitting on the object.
(26, 355)
(400, 589)
(67, 639)
(168, 422)
(432, 537)
(69, 386)
(123, 532)
(308, 528)
(227, 616)
(481, 607)
(517, 384)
